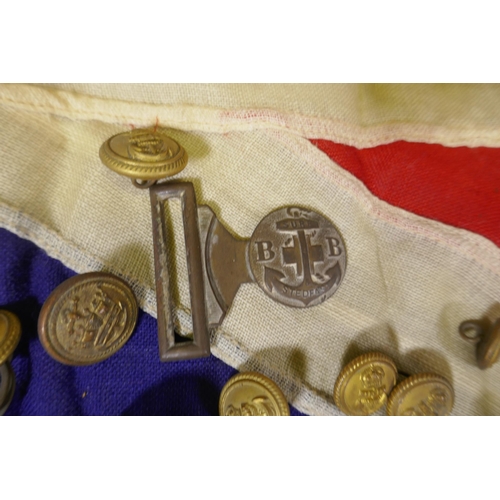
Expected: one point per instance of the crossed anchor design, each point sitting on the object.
(304, 255)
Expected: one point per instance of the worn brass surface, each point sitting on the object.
(7, 386)
(252, 394)
(145, 154)
(87, 318)
(170, 350)
(10, 334)
(226, 263)
(364, 384)
(424, 394)
(486, 338)
(297, 257)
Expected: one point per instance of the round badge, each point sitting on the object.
(144, 154)
(252, 394)
(10, 334)
(364, 384)
(297, 257)
(87, 318)
(424, 394)
(7, 386)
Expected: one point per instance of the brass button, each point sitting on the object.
(10, 334)
(487, 340)
(424, 394)
(7, 386)
(145, 154)
(252, 394)
(87, 318)
(364, 384)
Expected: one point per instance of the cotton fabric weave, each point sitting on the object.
(409, 282)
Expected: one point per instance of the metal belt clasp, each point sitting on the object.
(169, 348)
(295, 254)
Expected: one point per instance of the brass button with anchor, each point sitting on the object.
(10, 334)
(87, 318)
(423, 394)
(364, 384)
(252, 394)
(143, 155)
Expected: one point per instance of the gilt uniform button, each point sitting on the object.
(364, 384)
(252, 394)
(424, 394)
(487, 340)
(87, 318)
(7, 386)
(10, 334)
(145, 154)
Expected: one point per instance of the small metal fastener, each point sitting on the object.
(252, 394)
(143, 155)
(423, 394)
(364, 384)
(7, 386)
(487, 340)
(87, 318)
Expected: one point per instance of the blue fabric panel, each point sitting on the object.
(132, 382)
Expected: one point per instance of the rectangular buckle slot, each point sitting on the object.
(170, 349)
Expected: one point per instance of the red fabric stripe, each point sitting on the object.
(457, 186)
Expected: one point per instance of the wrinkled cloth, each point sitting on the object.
(418, 262)
(131, 382)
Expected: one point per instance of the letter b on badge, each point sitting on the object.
(264, 251)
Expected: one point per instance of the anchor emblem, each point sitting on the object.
(308, 251)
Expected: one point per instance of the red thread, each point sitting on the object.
(156, 126)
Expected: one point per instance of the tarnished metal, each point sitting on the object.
(295, 255)
(252, 394)
(7, 386)
(364, 384)
(170, 350)
(423, 394)
(10, 334)
(226, 263)
(87, 318)
(143, 155)
(486, 338)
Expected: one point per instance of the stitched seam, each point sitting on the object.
(288, 121)
(386, 213)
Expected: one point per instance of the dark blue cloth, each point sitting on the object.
(131, 382)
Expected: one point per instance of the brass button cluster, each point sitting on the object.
(252, 394)
(369, 381)
(10, 334)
